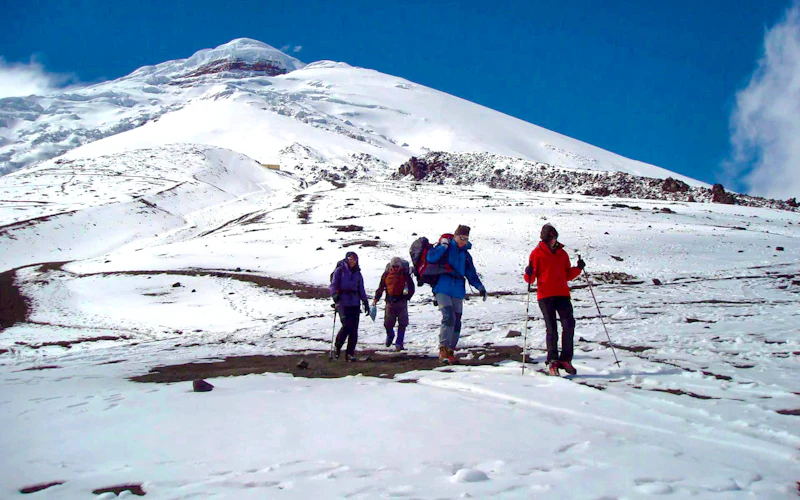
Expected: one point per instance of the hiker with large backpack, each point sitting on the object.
(399, 287)
(549, 265)
(347, 290)
(450, 287)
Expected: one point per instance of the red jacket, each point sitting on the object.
(552, 270)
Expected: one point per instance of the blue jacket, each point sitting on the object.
(453, 284)
(349, 284)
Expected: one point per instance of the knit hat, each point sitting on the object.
(548, 232)
(462, 230)
(351, 254)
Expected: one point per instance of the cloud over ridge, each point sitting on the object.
(765, 124)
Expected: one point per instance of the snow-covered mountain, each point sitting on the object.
(249, 97)
(155, 254)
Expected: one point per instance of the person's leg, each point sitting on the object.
(564, 307)
(402, 322)
(342, 334)
(389, 318)
(352, 336)
(549, 316)
(448, 319)
(458, 308)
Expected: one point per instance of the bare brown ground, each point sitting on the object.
(371, 364)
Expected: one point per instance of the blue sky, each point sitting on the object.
(652, 81)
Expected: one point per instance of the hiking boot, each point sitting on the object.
(338, 351)
(451, 356)
(389, 339)
(553, 369)
(443, 359)
(350, 358)
(399, 348)
(567, 366)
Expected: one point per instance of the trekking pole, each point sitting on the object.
(333, 333)
(525, 341)
(589, 282)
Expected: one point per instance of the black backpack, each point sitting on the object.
(425, 272)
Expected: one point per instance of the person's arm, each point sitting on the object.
(572, 272)
(472, 275)
(530, 269)
(381, 288)
(361, 291)
(335, 283)
(437, 252)
(410, 285)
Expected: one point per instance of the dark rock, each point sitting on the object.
(176, 284)
(667, 210)
(719, 195)
(302, 364)
(671, 185)
(238, 269)
(619, 259)
(201, 385)
(193, 290)
(513, 333)
(780, 249)
(656, 281)
(349, 228)
(319, 248)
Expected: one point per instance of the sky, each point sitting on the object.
(701, 89)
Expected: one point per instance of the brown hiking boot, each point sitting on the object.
(567, 366)
(443, 358)
(553, 369)
(451, 356)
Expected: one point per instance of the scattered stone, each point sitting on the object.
(349, 228)
(513, 333)
(671, 185)
(620, 259)
(719, 195)
(666, 210)
(136, 489)
(238, 269)
(319, 248)
(779, 249)
(656, 281)
(39, 487)
(303, 364)
(201, 385)
(193, 290)
(176, 284)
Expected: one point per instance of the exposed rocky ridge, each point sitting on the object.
(309, 164)
(512, 173)
(236, 68)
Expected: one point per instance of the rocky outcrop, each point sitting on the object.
(237, 68)
(503, 172)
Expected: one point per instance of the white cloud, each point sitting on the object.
(291, 48)
(765, 125)
(23, 79)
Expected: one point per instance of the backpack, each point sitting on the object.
(426, 272)
(395, 284)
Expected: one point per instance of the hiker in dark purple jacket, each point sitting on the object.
(347, 290)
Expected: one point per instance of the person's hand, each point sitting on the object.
(366, 308)
(530, 287)
(335, 298)
(483, 294)
(444, 241)
(581, 264)
(529, 270)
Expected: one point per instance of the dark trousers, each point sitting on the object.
(563, 306)
(396, 312)
(349, 315)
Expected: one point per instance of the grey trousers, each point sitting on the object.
(450, 330)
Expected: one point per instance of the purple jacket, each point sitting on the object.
(349, 284)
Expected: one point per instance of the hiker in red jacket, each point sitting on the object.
(549, 264)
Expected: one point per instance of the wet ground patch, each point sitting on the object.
(316, 364)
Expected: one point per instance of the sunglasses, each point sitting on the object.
(461, 237)
(352, 258)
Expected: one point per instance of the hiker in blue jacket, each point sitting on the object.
(347, 290)
(450, 289)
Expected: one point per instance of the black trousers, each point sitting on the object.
(563, 306)
(349, 315)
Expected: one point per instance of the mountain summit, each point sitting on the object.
(249, 97)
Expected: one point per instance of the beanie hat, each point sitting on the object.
(462, 230)
(351, 254)
(548, 231)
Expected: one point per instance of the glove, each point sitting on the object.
(444, 241)
(335, 298)
(530, 287)
(581, 264)
(483, 294)
(528, 270)
(366, 308)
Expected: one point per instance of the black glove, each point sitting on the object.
(366, 308)
(483, 294)
(530, 287)
(529, 270)
(335, 298)
(581, 264)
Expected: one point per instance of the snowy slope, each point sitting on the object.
(335, 109)
(200, 254)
